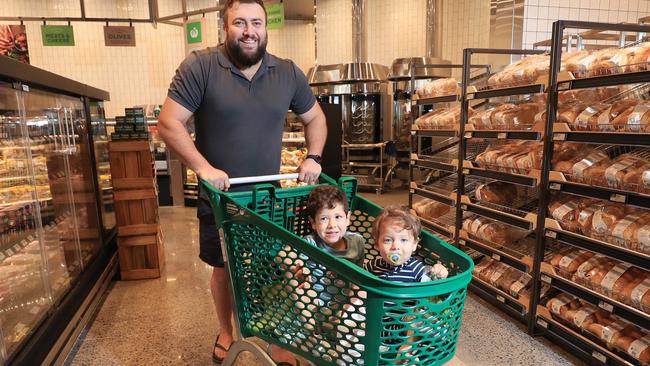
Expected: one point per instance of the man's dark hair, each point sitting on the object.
(231, 3)
(325, 197)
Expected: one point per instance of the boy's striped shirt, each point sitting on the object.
(410, 271)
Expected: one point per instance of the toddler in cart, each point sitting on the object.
(329, 216)
(396, 232)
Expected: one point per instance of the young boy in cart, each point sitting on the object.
(329, 216)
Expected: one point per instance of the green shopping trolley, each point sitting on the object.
(338, 313)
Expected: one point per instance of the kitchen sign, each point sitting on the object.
(119, 36)
(275, 16)
(57, 35)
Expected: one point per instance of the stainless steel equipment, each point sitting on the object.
(404, 72)
(361, 91)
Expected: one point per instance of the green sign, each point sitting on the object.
(193, 31)
(275, 15)
(57, 35)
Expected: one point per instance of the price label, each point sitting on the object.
(30, 238)
(559, 137)
(501, 299)
(9, 252)
(546, 279)
(462, 242)
(551, 234)
(16, 248)
(542, 323)
(606, 306)
(465, 171)
(617, 198)
(468, 135)
(496, 257)
(502, 135)
(599, 356)
(555, 186)
(464, 207)
(24, 243)
(412, 190)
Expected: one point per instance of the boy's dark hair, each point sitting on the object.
(231, 3)
(325, 197)
(400, 214)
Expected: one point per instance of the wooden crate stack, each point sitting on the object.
(140, 243)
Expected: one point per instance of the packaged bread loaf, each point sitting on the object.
(626, 232)
(614, 279)
(480, 267)
(605, 218)
(438, 87)
(639, 295)
(607, 329)
(589, 269)
(520, 285)
(565, 209)
(640, 349)
(593, 118)
(638, 180)
(500, 193)
(623, 164)
(560, 304)
(641, 58)
(522, 116)
(484, 119)
(430, 209)
(634, 119)
(569, 262)
(583, 316)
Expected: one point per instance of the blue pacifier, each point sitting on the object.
(394, 257)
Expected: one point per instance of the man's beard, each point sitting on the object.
(241, 58)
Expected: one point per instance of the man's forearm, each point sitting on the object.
(316, 135)
(176, 138)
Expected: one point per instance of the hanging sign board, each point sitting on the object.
(275, 16)
(13, 42)
(57, 35)
(119, 36)
(193, 32)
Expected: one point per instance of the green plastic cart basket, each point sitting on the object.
(336, 313)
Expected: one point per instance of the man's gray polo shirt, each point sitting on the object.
(239, 122)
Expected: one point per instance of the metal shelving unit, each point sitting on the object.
(542, 323)
(521, 214)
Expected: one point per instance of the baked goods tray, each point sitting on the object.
(522, 205)
(525, 177)
(518, 255)
(517, 308)
(517, 217)
(597, 299)
(581, 343)
(592, 188)
(571, 235)
(444, 225)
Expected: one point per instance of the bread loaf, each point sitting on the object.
(521, 116)
(520, 285)
(640, 295)
(438, 87)
(568, 263)
(594, 115)
(610, 279)
(605, 218)
(640, 349)
(583, 316)
(560, 304)
(500, 193)
(430, 209)
(591, 167)
(625, 232)
(590, 268)
(480, 267)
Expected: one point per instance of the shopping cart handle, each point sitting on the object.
(263, 178)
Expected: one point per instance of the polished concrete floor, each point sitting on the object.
(171, 320)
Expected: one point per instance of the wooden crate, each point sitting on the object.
(135, 207)
(140, 244)
(131, 164)
(141, 256)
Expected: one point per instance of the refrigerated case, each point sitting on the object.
(51, 231)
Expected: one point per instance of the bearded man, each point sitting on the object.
(239, 95)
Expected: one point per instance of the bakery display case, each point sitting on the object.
(50, 224)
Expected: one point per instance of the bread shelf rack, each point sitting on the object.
(599, 300)
(542, 322)
(518, 214)
(434, 152)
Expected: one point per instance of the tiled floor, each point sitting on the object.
(171, 320)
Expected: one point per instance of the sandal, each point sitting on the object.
(288, 364)
(216, 359)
